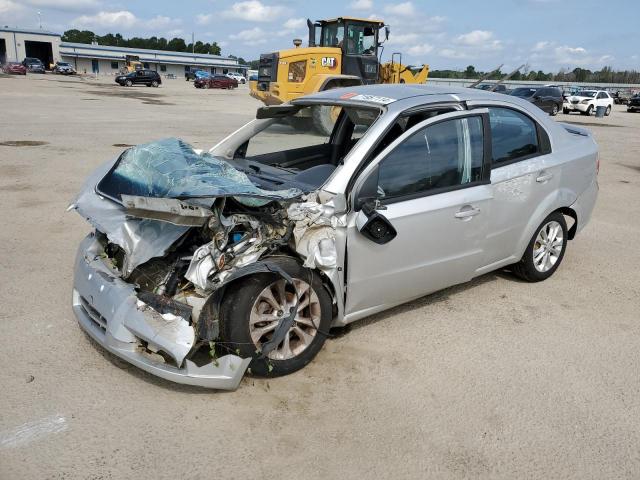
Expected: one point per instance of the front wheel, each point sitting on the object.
(154, 84)
(128, 83)
(608, 111)
(252, 311)
(545, 250)
(565, 111)
(554, 110)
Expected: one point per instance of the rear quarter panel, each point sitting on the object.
(574, 165)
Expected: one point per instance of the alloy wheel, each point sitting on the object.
(273, 304)
(548, 246)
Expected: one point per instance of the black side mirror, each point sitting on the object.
(374, 225)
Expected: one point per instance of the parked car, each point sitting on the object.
(195, 74)
(33, 65)
(150, 78)
(205, 263)
(64, 68)
(586, 102)
(549, 99)
(216, 81)
(237, 77)
(620, 97)
(634, 103)
(502, 88)
(14, 68)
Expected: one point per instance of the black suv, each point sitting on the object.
(548, 99)
(150, 78)
(34, 65)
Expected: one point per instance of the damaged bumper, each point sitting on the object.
(108, 309)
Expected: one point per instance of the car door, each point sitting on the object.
(524, 173)
(431, 188)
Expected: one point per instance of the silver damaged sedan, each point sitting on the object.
(204, 265)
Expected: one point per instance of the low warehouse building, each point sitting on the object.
(16, 44)
(101, 59)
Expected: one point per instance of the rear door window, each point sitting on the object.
(514, 136)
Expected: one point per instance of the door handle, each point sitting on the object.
(467, 212)
(544, 177)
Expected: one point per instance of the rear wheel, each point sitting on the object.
(554, 110)
(206, 85)
(154, 84)
(252, 311)
(608, 111)
(545, 250)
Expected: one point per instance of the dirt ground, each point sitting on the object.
(491, 379)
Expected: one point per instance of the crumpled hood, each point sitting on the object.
(165, 169)
(171, 168)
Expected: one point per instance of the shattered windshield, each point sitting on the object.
(171, 168)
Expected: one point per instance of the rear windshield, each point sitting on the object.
(523, 92)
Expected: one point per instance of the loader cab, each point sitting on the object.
(359, 41)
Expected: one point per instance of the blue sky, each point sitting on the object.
(546, 34)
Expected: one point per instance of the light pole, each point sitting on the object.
(40, 19)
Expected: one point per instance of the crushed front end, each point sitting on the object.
(173, 229)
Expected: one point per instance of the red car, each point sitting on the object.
(14, 68)
(216, 81)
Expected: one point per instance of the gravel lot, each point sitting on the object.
(491, 379)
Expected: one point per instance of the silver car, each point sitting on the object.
(205, 264)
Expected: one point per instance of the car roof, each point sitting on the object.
(390, 93)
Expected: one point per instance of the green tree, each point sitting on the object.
(470, 72)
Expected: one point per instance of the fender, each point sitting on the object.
(325, 81)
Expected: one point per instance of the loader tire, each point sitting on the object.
(322, 120)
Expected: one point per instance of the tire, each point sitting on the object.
(555, 110)
(206, 85)
(321, 119)
(608, 111)
(247, 297)
(565, 111)
(300, 123)
(526, 268)
(128, 83)
(154, 84)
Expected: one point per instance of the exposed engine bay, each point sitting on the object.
(160, 231)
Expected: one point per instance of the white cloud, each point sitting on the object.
(64, 5)
(420, 49)
(7, 7)
(125, 20)
(120, 19)
(565, 55)
(160, 23)
(295, 23)
(204, 19)
(361, 5)
(254, 11)
(474, 38)
(252, 36)
(405, 9)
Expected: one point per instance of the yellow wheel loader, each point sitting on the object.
(342, 52)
